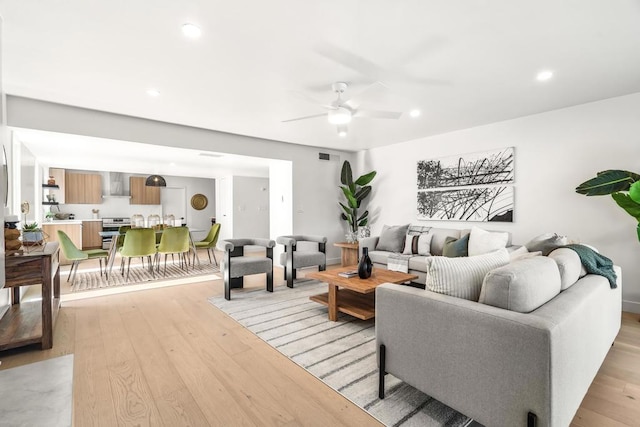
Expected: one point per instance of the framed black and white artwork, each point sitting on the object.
(468, 187)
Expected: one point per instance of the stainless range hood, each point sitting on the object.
(116, 186)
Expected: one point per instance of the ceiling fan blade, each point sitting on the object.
(350, 60)
(376, 114)
(356, 100)
(304, 97)
(305, 117)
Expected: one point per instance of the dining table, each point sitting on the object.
(113, 249)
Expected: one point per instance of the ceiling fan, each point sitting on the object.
(341, 112)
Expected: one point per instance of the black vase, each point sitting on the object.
(365, 265)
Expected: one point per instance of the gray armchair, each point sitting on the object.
(235, 265)
(312, 252)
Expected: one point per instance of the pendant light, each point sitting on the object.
(155, 181)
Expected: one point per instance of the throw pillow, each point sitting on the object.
(546, 243)
(424, 244)
(456, 247)
(409, 242)
(462, 277)
(392, 238)
(483, 241)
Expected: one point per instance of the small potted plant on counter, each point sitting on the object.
(32, 234)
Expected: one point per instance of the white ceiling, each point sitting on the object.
(463, 63)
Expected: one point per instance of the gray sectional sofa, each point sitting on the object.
(525, 354)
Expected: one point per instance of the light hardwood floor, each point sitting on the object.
(167, 357)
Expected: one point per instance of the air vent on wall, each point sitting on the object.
(328, 157)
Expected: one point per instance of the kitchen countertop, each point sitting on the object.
(62, 221)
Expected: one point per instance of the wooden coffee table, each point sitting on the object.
(354, 296)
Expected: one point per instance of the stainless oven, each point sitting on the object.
(112, 224)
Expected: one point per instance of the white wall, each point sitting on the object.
(250, 207)
(555, 151)
(315, 182)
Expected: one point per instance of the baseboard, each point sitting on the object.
(332, 261)
(631, 306)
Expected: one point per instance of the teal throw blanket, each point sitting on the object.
(595, 263)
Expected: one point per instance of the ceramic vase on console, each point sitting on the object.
(365, 265)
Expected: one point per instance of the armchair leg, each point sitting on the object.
(290, 274)
(227, 288)
(532, 419)
(270, 282)
(381, 371)
(323, 267)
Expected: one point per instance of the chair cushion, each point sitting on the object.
(304, 259)
(462, 277)
(247, 265)
(521, 286)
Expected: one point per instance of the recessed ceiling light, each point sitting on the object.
(544, 75)
(191, 30)
(153, 92)
(414, 113)
(172, 164)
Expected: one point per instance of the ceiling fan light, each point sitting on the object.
(155, 181)
(339, 116)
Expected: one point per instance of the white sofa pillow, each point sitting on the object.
(483, 241)
(462, 276)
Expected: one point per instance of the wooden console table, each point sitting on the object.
(32, 322)
(349, 253)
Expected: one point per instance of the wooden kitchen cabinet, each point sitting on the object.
(141, 194)
(73, 230)
(90, 237)
(83, 188)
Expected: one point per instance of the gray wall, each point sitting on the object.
(250, 207)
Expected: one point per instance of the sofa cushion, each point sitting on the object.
(521, 286)
(392, 238)
(424, 244)
(569, 265)
(438, 237)
(546, 243)
(456, 247)
(379, 257)
(418, 263)
(462, 277)
(483, 241)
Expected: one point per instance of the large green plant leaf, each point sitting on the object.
(352, 200)
(364, 216)
(346, 176)
(362, 193)
(626, 203)
(608, 182)
(634, 191)
(367, 178)
(346, 209)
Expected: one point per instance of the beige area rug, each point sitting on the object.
(89, 280)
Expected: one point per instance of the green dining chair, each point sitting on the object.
(174, 240)
(139, 243)
(209, 242)
(120, 241)
(72, 253)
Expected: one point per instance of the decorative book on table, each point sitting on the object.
(348, 274)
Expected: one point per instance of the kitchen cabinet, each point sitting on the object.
(73, 230)
(83, 188)
(90, 237)
(141, 194)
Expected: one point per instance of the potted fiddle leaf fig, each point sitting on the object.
(354, 192)
(624, 187)
(32, 234)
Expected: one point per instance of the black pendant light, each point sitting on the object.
(155, 181)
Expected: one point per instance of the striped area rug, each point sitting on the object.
(341, 354)
(91, 279)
